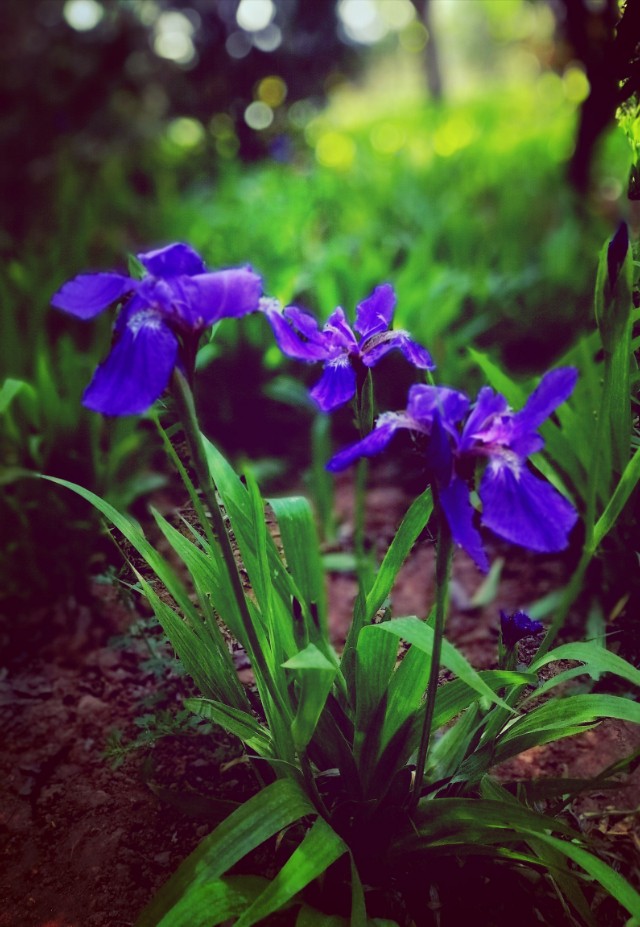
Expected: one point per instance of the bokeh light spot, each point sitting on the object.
(185, 132)
(267, 40)
(173, 37)
(258, 116)
(452, 136)
(83, 15)
(272, 91)
(336, 150)
(414, 38)
(386, 138)
(254, 15)
(361, 21)
(575, 84)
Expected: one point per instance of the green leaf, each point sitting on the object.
(215, 902)
(417, 632)
(375, 659)
(570, 711)
(12, 388)
(314, 674)
(237, 722)
(596, 661)
(301, 550)
(616, 504)
(274, 808)
(320, 847)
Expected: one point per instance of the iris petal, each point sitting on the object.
(88, 294)
(374, 442)
(224, 294)
(290, 342)
(525, 510)
(137, 370)
(424, 400)
(173, 261)
(553, 389)
(336, 386)
(458, 510)
(374, 314)
(414, 352)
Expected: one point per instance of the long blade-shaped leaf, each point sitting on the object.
(237, 722)
(215, 902)
(259, 818)
(320, 848)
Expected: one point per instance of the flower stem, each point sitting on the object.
(364, 421)
(444, 551)
(187, 412)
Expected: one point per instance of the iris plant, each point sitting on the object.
(516, 504)
(516, 627)
(345, 356)
(160, 324)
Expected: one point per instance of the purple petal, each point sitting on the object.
(524, 509)
(172, 261)
(482, 417)
(339, 334)
(554, 388)
(288, 339)
(336, 386)
(458, 510)
(306, 323)
(225, 294)
(425, 400)
(374, 314)
(87, 295)
(379, 345)
(374, 442)
(137, 370)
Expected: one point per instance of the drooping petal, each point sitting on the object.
(375, 313)
(336, 386)
(553, 389)
(88, 294)
(306, 323)
(224, 294)
(458, 510)
(288, 339)
(424, 400)
(372, 444)
(137, 370)
(172, 261)
(379, 345)
(525, 510)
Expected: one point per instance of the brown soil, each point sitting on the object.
(88, 839)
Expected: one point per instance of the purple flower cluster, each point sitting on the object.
(164, 314)
(336, 345)
(516, 504)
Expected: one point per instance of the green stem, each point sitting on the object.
(443, 561)
(364, 421)
(187, 413)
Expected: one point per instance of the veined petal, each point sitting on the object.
(336, 386)
(524, 509)
(553, 389)
(374, 442)
(458, 510)
(375, 313)
(377, 346)
(224, 294)
(88, 294)
(306, 323)
(424, 400)
(172, 261)
(137, 370)
(487, 406)
(339, 334)
(290, 342)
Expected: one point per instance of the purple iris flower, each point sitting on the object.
(161, 321)
(516, 627)
(516, 504)
(344, 355)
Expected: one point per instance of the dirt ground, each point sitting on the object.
(91, 828)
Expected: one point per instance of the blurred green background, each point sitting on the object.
(450, 147)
